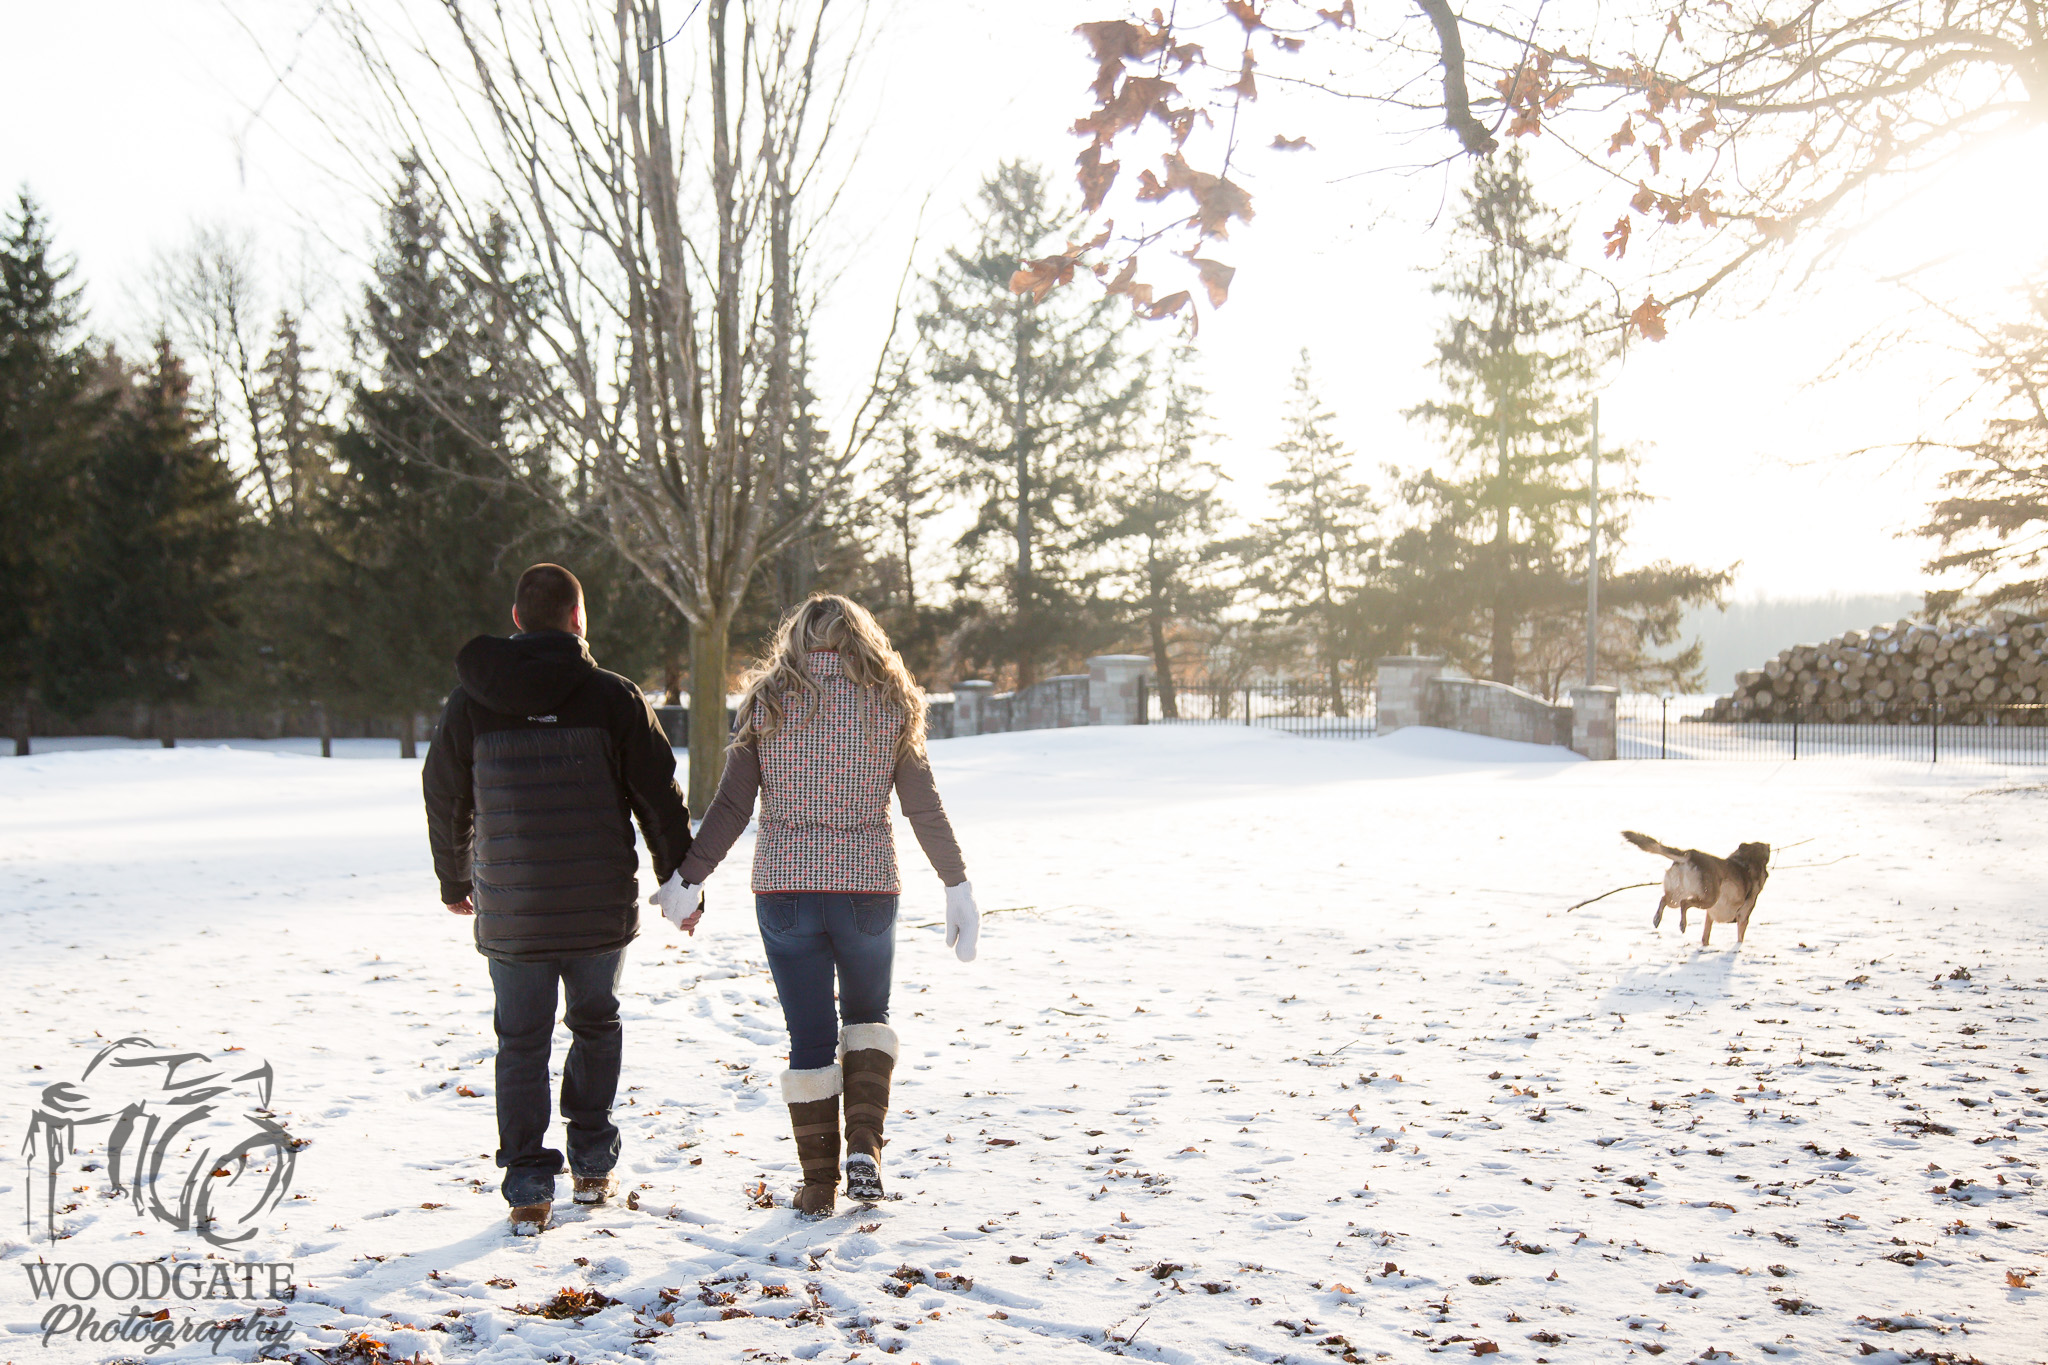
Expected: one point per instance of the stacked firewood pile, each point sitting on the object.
(1992, 672)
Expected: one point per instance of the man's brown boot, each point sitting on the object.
(813, 1099)
(530, 1220)
(595, 1189)
(867, 1052)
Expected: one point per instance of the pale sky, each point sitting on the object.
(134, 120)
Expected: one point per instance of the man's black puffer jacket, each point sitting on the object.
(541, 764)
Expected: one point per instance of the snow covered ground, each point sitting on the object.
(1276, 1050)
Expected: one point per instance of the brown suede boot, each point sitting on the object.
(531, 1220)
(813, 1099)
(867, 1053)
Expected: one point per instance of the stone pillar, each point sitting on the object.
(970, 706)
(1404, 690)
(1113, 688)
(1593, 722)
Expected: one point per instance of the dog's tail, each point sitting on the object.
(1649, 845)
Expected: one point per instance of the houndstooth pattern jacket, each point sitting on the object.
(825, 780)
(823, 784)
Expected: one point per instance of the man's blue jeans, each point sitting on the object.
(525, 1022)
(813, 935)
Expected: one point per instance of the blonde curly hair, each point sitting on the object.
(828, 621)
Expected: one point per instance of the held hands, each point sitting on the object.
(461, 907)
(963, 921)
(681, 902)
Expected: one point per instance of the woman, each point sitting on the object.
(826, 726)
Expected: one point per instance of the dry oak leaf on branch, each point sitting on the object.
(1138, 98)
(1246, 14)
(1216, 277)
(1648, 318)
(1217, 200)
(1617, 237)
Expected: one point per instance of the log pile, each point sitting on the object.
(1991, 672)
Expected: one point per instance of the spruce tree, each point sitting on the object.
(53, 403)
(150, 603)
(1035, 396)
(1312, 555)
(1496, 570)
(433, 509)
(1163, 511)
(1992, 527)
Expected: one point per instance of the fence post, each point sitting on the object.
(1664, 727)
(1798, 709)
(1144, 700)
(1247, 706)
(1936, 735)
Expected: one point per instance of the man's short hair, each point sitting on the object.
(546, 598)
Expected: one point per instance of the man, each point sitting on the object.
(541, 763)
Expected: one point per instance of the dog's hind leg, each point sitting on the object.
(1707, 932)
(1742, 928)
(1657, 920)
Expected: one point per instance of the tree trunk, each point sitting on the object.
(672, 681)
(1162, 668)
(21, 728)
(408, 737)
(1502, 663)
(710, 642)
(326, 730)
(1020, 450)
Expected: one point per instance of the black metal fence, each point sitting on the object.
(1927, 732)
(1313, 710)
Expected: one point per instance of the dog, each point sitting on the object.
(1725, 889)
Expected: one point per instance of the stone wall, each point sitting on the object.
(1414, 691)
(1107, 694)
(1491, 708)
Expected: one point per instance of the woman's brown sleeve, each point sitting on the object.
(727, 819)
(919, 796)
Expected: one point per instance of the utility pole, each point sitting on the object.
(1593, 558)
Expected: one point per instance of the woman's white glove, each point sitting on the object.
(963, 921)
(681, 902)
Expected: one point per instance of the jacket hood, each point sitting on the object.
(524, 675)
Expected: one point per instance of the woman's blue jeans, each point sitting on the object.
(813, 936)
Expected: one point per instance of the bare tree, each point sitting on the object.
(208, 301)
(665, 181)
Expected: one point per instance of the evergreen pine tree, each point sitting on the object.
(1313, 554)
(433, 510)
(1163, 511)
(1496, 572)
(53, 403)
(150, 601)
(1037, 395)
(1992, 526)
